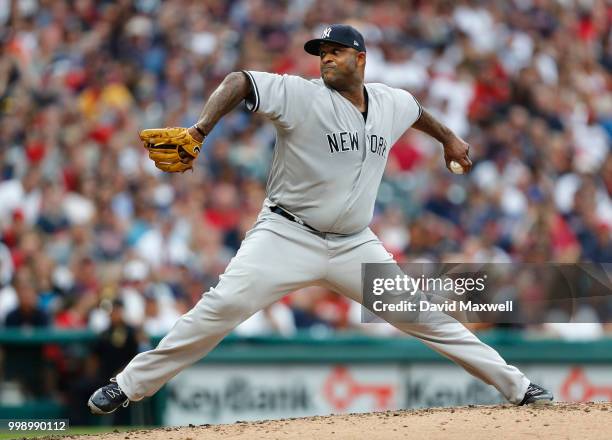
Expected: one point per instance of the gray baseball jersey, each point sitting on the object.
(328, 162)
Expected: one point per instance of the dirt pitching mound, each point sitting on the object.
(559, 421)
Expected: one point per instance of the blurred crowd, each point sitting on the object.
(93, 236)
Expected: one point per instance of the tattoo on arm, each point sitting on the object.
(234, 88)
(434, 128)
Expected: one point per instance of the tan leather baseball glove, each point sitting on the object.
(172, 149)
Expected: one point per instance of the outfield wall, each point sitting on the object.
(274, 377)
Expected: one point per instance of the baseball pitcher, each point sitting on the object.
(333, 137)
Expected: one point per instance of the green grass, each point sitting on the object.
(76, 430)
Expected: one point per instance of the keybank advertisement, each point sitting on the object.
(219, 393)
(227, 393)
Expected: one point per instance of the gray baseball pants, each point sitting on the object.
(279, 256)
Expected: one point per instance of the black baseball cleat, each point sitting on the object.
(536, 395)
(107, 399)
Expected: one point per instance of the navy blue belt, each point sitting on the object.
(276, 209)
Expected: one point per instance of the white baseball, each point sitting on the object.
(456, 167)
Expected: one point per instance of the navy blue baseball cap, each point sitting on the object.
(337, 33)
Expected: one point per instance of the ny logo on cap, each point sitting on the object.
(326, 32)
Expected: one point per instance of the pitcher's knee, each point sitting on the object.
(225, 307)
